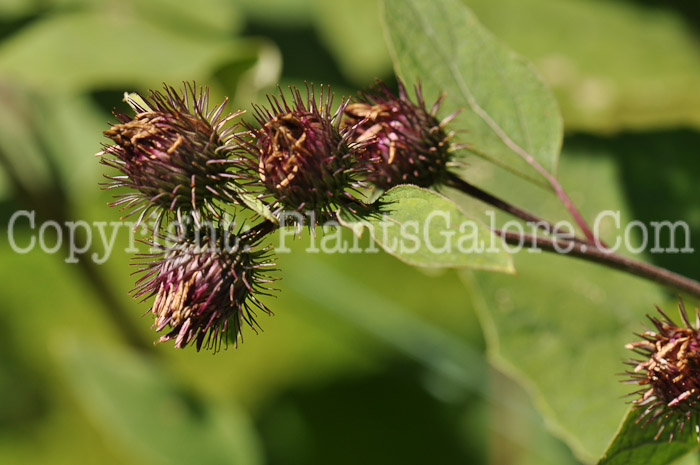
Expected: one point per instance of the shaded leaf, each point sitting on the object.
(71, 126)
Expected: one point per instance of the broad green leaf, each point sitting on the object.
(561, 324)
(634, 445)
(135, 402)
(560, 327)
(423, 228)
(509, 114)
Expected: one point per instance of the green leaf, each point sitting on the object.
(634, 444)
(509, 114)
(561, 324)
(423, 228)
(560, 328)
(137, 404)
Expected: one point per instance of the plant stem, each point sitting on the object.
(460, 184)
(612, 260)
(573, 211)
(549, 177)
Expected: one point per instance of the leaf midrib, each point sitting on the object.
(469, 97)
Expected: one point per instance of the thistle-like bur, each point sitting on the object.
(206, 285)
(669, 373)
(300, 153)
(405, 143)
(175, 155)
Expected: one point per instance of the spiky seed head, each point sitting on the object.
(207, 283)
(303, 158)
(668, 373)
(175, 155)
(405, 142)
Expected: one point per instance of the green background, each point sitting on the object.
(366, 360)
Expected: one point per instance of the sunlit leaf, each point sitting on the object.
(561, 324)
(423, 228)
(509, 114)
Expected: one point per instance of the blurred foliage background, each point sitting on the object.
(367, 360)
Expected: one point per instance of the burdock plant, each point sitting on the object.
(175, 155)
(181, 161)
(668, 373)
(206, 283)
(405, 143)
(303, 158)
(300, 153)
